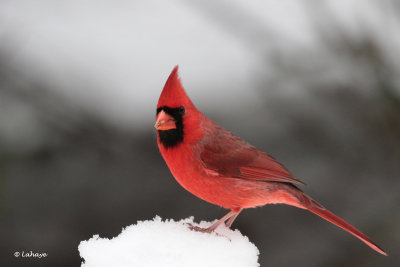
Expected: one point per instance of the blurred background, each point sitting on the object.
(316, 84)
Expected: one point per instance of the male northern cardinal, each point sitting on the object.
(219, 167)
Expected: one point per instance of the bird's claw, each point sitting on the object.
(199, 229)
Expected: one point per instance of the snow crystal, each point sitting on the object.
(169, 243)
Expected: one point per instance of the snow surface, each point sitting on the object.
(170, 243)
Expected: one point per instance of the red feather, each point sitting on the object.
(230, 156)
(221, 168)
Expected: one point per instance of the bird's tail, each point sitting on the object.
(308, 203)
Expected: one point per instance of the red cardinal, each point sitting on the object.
(219, 167)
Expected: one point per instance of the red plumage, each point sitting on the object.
(219, 167)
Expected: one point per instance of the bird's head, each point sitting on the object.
(176, 113)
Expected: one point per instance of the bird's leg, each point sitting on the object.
(232, 218)
(216, 224)
(223, 219)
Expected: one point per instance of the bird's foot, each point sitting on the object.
(231, 216)
(200, 229)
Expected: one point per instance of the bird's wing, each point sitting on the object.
(225, 154)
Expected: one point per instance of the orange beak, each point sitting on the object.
(164, 122)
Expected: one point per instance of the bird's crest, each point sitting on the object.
(173, 95)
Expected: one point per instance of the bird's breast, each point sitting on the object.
(230, 193)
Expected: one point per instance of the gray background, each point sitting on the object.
(315, 84)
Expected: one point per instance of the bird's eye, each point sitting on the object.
(182, 110)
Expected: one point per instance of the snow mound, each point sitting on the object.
(169, 243)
